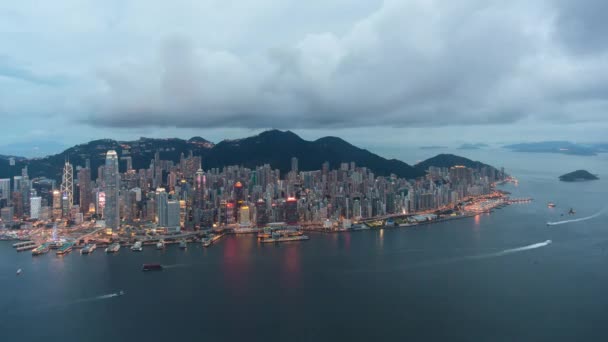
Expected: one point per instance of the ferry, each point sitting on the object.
(113, 248)
(88, 249)
(65, 249)
(183, 244)
(550, 205)
(42, 249)
(152, 267)
(160, 244)
(137, 247)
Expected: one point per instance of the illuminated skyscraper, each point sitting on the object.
(56, 204)
(67, 185)
(84, 187)
(162, 200)
(244, 216)
(291, 211)
(112, 187)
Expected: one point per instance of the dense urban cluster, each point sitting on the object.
(182, 195)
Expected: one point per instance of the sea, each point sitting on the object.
(504, 276)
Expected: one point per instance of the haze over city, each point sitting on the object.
(371, 72)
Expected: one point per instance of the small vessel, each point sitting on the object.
(550, 205)
(113, 248)
(121, 293)
(137, 247)
(18, 271)
(152, 267)
(160, 244)
(88, 248)
(571, 211)
(183, 244)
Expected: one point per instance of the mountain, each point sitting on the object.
(578, 175)
(449, 160)
(563, 147)
(272, 147)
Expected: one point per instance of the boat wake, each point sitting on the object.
(578, 219)
(463, 258)
(176, 266)
(102, 297)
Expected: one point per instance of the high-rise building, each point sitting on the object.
(5, 191)
(35, 207)
(244, 216)
(161, 207)
(294, 164)
(85, 190)
(56, 204)
(112, 186)
(67, 185)
(7, 214)
(261, 213)
(291, 211)
(173, 212)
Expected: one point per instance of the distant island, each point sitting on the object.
(578, 176)
(563, 147)
(432, 147)
(476, 146)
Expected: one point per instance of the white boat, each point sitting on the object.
(137, 247)
(113, 248)
(18, 271)
(160, 244)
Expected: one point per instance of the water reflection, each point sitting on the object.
(291, 267)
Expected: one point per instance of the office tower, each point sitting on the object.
(56, 204)
(5, 191)
(294, 165)
(161, 207)
(111, 211)
(244, 216)
(7, 214)
(291, 211)
(261, 213)
(85, 190)
(35, 207)
(17, 203)
(67, 185)
(173, 215)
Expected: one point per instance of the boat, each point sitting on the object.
(284, 238)
(137, 247)
(152, 267)
(18, 271)
(113, 248)
(42, 249)
(88, 248)
(183, 244)
(550, 205)
(571, 211)
(160, 244)
(65, 248)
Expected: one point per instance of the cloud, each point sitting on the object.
(392, 63)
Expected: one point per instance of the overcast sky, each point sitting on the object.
(373, 72)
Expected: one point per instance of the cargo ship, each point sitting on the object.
(42, 249)
(137, 247)
(65, 248)
(88, 249)
(113, 248)
(152, 267)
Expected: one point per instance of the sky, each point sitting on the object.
(376, 73)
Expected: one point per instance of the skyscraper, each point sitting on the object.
(291, 211)
(112, 187)
(35, 207)
(56, 204)
(5, 191)
(173, 215)
(294, 165)
(67, 185)
(161, 207)
(84, 187)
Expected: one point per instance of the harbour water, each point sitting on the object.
(504, 276)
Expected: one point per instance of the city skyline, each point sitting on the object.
(491, 71)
